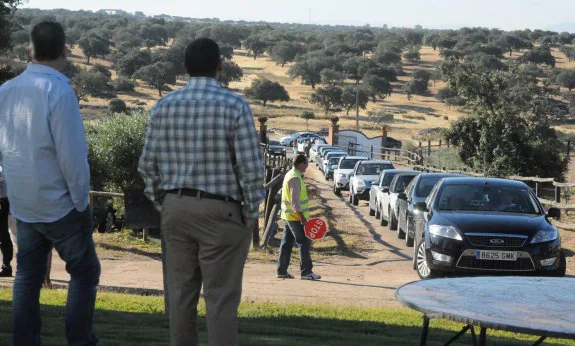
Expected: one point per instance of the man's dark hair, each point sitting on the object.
(299, 159)
(49, 41)
(202, 58)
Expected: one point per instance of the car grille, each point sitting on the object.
(495, 240)
(522, 264)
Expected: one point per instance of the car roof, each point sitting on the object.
(483, 181)
(401, 174)
(441, 175)
(397, 171)
(356, 157)
(376, 161)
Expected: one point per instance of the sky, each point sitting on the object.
(503, 14)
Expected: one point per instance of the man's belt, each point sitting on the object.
(201, 194)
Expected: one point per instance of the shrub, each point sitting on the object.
(115, 145)
(116, 106)
(445, 93)
(445, 117)
(102, 69)
(122, 84)
(307, 115)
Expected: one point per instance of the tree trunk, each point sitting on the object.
(283, 64)
(255, 55)
(313, 85)
(510, 52)
(347, 113)
(326, 111)
(265, 102)
(160, 91)
(88, 60)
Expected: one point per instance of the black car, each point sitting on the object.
(486, 225)
(276, 149)
(417, 191)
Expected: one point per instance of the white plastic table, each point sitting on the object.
(531, 305)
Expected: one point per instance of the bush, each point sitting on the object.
(117, 106)
(122, 84)
(445, 93)
(445, 117)
(416, 86)
(102, 69)
(115, 145)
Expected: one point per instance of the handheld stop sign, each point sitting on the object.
(315, 229)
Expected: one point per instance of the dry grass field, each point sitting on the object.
(421, 112)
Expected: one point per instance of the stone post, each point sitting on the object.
(263, 129)
(333, 129)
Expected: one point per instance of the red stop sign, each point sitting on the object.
(315, 229)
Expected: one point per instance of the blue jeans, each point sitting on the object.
(294, 232)
(72, 238)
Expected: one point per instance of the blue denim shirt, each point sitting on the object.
(43, 146)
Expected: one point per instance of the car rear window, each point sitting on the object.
(402, 182)
(425, 186)
(348, 163)
(373, 168)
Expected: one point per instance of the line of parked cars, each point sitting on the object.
(454, 223)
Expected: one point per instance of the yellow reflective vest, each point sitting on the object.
(288, 213)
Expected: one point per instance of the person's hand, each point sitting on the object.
(312, 193)
(250, 223)
(302, 218)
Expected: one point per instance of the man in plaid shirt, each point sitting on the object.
(203, 168)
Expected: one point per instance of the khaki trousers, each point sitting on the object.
(206, 243)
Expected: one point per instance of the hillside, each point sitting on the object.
(419, 113)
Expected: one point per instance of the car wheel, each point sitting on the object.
(392, 221)
(382, 220)
(377, 212)
(408, 239)
(400, 232)
(422, 267)
(350, 195)
(371, 212)
(560, 272)
(326, 178)
(336, 191)
(355, 200)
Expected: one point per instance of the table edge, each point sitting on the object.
(479, 323)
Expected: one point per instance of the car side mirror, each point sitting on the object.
(402, 196)
(385, 189)
(554, 213)
(420, 207)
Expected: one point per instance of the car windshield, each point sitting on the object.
(274, 143)
(348, 163)
(373, 168)
(402, 182)
(487, 198)
(425, 186)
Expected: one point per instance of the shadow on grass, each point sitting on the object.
(136, 328)
(153, 255)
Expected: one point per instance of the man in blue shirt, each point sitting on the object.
(45, 165)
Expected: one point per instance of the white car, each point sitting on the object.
(341, 174)
(288, 140)
(388, 199)
(314, 151)
(380, 191)
(365, 173)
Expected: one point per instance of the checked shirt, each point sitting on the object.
(203, 137)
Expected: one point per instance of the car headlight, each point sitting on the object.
(342, 175)
(445, 232)
(545, 235)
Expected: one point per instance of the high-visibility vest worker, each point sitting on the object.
(294, 197)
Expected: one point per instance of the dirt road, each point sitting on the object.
(365, 275)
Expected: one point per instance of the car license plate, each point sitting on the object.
(496, 255)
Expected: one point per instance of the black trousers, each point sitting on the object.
(6, 247)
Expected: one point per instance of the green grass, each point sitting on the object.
(138, 320)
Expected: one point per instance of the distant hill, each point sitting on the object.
(569, 27)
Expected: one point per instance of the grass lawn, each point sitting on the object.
(138, 320)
